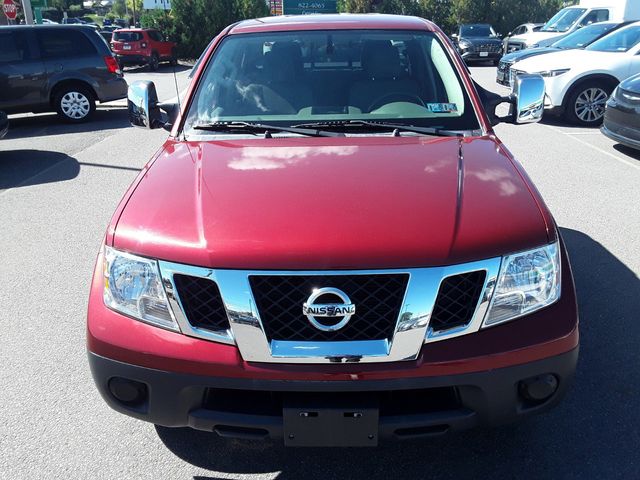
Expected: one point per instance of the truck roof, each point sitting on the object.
(332, 22)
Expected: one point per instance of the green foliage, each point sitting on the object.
(504, 15)
(197, 22)
(119, 9)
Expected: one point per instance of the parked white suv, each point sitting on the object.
(579, 82)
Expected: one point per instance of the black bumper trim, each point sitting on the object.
(486, 398)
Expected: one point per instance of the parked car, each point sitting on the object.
(143, 46)
(523, 29)
(4, 124)
(271, 295)
(579, 82)
(110, 28)
(62, 68)
(622, 115)
(578, 39)
(572, 18)
(478, 41)
(73, 21)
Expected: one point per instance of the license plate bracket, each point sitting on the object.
(312, 421)
(126, 47)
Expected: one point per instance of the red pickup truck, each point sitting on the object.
(332, 247)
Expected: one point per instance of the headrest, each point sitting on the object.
(380, 59)
(284, 62)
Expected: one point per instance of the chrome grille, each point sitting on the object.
(378, 299)
(402, 316)
(489, 47)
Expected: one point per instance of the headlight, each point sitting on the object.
(464, 45)
(527, 282)
(554, 73)
(132, 285)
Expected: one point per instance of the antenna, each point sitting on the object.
(175, 78)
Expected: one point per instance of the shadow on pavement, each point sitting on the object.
(593, 433)
(21, 168)
(106, 117)
(629, 152)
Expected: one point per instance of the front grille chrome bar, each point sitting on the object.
(411, 332)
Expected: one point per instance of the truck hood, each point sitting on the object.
(330, 203)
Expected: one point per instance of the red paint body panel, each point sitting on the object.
(548, 332)
(327, 203)
(332, 22)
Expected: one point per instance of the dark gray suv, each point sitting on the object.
(62, 68)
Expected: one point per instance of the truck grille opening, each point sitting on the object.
(390, 402)
(457, 300)
(378, 299)
(202, 303)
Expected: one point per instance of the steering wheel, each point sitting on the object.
(384, 99)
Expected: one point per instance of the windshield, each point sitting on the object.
(619, 41)
(584, 36)
(317, 76)
(476, 31)
(563, 20)
(127, 36)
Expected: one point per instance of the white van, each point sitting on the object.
(570, 19)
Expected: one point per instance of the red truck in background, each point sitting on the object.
(332, 247)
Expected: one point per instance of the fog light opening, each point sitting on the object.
(128, 392)
(539, 388)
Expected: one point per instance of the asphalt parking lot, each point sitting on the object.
(59, 185)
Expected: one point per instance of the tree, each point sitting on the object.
(119, 8)
(198, 21)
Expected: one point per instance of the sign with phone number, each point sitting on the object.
(296, 7)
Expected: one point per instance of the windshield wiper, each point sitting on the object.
(396, 127)
(262, 128)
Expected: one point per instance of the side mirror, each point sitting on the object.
(526, 102)
(509, 34)
(142, 101)
(528, 98)
(454, 37)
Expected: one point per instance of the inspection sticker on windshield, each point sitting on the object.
(442, 107)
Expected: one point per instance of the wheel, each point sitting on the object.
(74, 103)
(154, 61)
(586, 103)
(174, 58)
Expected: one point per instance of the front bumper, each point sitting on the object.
(253, 408)
(480, 56)
(622, 124)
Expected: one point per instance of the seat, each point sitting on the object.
(383, 77)
(283, 70)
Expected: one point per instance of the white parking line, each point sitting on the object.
(598, 149)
